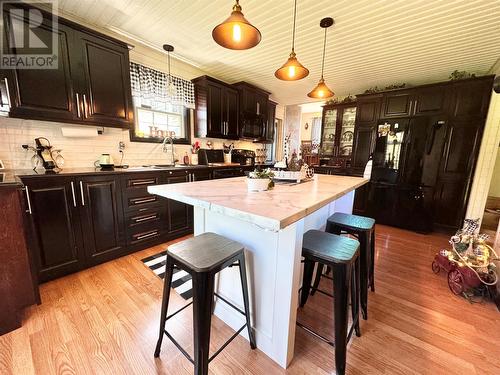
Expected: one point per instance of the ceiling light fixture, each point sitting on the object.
(171, 89)
(292, 70)
(236, 32)
(321, 91)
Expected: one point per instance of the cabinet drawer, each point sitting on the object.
(142, 182)
(147, 217)
(143, 236)
(143, 200)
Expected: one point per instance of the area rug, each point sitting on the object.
(181, 280)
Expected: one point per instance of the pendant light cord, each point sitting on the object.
(324, 49)
(169, 75)
(294, 18)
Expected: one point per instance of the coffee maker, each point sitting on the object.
(243, 157)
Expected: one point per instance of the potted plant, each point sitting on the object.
(194, 152)
(260, 180)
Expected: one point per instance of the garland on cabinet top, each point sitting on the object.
(152, 88)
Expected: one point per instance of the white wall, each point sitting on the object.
(495, 179)
(305, 134)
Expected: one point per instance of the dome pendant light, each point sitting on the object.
(292, 70)
(321, 91)
(236, 32)
(171, 89)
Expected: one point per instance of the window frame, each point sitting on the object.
(181, 141)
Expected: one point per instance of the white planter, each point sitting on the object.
(227, 158)
(257, 184)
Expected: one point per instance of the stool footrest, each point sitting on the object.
(323, 292)
(181, 349)
(230, 304)
(321, 337)
(227, 343)
(178, 311)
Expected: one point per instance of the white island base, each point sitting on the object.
(274, 270)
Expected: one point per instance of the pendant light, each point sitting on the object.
(236, 32)
(321, 91)
(292, 70)
(171, 89)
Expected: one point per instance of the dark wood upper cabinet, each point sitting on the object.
(105, 85)
(102, 218)
(430, 100)
(55, 223)
(216, 109)
(270, 125)
(397, 104)
(364, 142)
(48, 93)
(91, 84)
(253, 111)
(471, 98)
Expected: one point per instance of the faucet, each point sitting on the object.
(169, 139)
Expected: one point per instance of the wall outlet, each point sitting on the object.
(121, 146)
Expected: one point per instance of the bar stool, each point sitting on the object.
(202, 257)
(342, 255)
(363, 228)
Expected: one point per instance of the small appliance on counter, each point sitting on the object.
(105, 162)
(243, 157)
(210, 156)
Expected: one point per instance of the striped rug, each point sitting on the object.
(181, 280)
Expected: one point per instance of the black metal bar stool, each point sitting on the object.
(342, 255)
(363, 228)
(202, 257)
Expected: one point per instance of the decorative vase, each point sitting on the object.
(194, 159)
(258, 184)
(227, 158)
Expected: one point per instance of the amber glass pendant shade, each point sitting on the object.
(321, 91)
(236, 32)
(292, 70)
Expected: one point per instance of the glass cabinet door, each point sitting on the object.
(329, 127)
(347, 131)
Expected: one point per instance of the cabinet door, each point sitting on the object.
(105, 81)
(215, 103)
(45, 94)
(367, 110)
(271, 119)
(231, 114)
(397, 104)
(261, 102)
(430, 100)
(180, 214)
(102, 217)
(364, 140)
(471, 98)
(57, 242)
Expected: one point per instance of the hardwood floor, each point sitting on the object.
(104, 320)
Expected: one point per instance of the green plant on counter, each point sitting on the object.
(266, 173)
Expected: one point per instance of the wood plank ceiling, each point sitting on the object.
(374, 42)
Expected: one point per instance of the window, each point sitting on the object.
(162, 105)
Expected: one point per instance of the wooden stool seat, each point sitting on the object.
(353, 222)
(206, 252)
(342, 255)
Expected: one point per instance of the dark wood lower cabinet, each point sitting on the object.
(102, 218)
(54, 219)
(180, 214)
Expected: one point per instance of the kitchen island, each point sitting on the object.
(270, 225)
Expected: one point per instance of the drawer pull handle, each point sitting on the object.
(147, 235)
(28, 200)
(138, 183)
(144, 201)
(138, 220)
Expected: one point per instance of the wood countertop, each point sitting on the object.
(273, 209)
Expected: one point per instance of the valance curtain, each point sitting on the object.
(151, 87)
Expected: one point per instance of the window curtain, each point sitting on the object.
(316, 130)
(151, 87)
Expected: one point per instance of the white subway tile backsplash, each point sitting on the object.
(82, 152)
